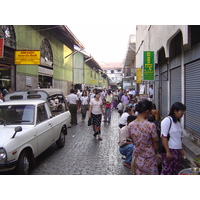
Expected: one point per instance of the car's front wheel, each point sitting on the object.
(23, 165)
(61, 141)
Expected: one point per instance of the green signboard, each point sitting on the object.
(148, 67)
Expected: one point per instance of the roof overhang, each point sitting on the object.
(62, 33)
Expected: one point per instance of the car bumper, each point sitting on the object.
(8, 165)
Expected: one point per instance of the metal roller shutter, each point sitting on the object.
(175, 85)
(192, 97)
(164, 95)
(156, 90)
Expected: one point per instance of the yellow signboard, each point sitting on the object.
(138, 75)
(27, 57)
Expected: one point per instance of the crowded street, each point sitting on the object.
(83, 154)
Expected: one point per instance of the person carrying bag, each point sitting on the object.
(171, 159)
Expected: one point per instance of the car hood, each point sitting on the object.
(6, 133)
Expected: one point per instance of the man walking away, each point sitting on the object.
(72, 100)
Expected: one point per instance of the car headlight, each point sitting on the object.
(2, 156)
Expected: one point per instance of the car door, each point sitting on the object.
(44, 129)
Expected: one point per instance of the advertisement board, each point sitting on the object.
(148, 67)
(138, 75)
(30, 57)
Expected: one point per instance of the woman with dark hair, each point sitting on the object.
(171, 133)
(145, 140)
(84, 104)
(96, 111)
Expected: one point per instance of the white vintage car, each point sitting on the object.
(30, 122)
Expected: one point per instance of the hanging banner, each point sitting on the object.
(148, 67)
(1, 47)
(27, 57)
(138, 75)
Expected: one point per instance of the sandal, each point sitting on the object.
(99, 137)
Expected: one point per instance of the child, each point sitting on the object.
(120, 108)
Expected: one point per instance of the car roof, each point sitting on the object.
(32, 94)
(23, 102)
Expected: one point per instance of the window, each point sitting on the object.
(17, 114)
(41, 114)
(112, 71)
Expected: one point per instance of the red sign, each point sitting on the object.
(1, 47)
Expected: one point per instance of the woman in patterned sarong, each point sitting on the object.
(145, 140)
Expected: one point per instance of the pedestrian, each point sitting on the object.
(144, 136)
(121, 93)
(125, 100)
(1, 97)
(173, 144)
(120, 108)
(155, 112)
(84, 104)
(123, 118)
(151, 92)
(125, 143)
(93, 93)
(109, 99)
(115, 99)
(95, 112)
(72, 100)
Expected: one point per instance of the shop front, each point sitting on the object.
(7, 50)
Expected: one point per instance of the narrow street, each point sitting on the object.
(83, 154)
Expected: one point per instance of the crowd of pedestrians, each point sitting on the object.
(141, 134)
(4, 91)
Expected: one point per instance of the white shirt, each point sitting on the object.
(72, 98)
(96, 106)
(120, 106)
(175, 140)
(123, 118)
(123, 135)
(84, 100)
(150, 91)
(1, 101)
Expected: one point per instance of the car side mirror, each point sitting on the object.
(17, 129)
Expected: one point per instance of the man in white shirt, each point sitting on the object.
(72, 100)
(123, 118)
(151, 92)
(125, 144)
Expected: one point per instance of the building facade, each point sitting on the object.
(59, 65)
(177, 78)
(114, 72)
(129, 81)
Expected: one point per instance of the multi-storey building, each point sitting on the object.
(177, 78)
(114, 71)
(129, 65)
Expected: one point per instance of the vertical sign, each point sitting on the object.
(138, 75)
(148, 67)
(1, 47)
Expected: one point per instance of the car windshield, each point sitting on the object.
(17, 114)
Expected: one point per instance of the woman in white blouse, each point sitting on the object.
(84, 104)
(173, 145)
(95, 111)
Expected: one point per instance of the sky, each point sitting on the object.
(103, 27)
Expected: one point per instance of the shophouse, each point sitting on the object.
(176, 76)
(40, 56)
(128, 66)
